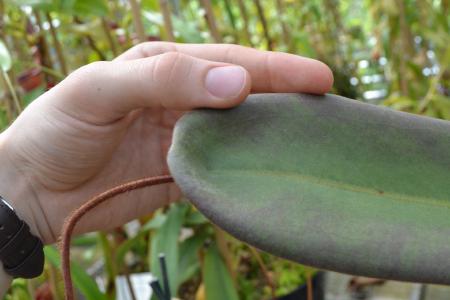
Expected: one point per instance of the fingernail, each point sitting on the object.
(225, 82)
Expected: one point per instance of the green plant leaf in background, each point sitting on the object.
(82, 281)
(216, 278)
(189, 264)
(5, 57)
(77, 7)
(195, 218)
(34, 94)
(154, 223)
(153, 17)
(90, 7)
(5, 65)
(166, 240)
(67, 5)
(325, 181)
(42, 5)
(18, 290)
(188, 32)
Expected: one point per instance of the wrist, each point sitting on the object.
(18, 191)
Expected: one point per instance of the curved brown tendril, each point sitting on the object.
(76, 215)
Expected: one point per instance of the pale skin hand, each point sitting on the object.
(111, 122)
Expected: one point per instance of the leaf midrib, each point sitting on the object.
(336, 184)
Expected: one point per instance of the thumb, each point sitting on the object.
(103, 92)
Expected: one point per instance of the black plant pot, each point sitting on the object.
(301, 293)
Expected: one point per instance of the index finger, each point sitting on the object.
(274, 72)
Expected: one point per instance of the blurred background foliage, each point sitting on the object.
(389, 52)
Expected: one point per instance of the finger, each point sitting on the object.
(270, 71)
(106, 91)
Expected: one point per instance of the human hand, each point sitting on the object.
(111, 122)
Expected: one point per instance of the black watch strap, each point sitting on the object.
(21, 252)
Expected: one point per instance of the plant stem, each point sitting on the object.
(445, 4)
(407, 46)
(57, 44)
(211, 20)
(244, 16)
(31, 289)
(165, 11)
(53, 282)
(263, 20)
(43, 48)
(309, 287)
(284, 28)
(90, 41)
(232, 20)
(54, 73)
(2, 13)
(264, 270)
(176, 7)
(12, 91)
(434, 83)
(94, 47)
(137, 20)
(9, 107)
(109, 38)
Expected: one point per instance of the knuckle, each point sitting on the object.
(168, 76)
(164, 68)
(232, 51)
(170, 57)
(155, 48)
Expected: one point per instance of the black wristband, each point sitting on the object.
(21, 252)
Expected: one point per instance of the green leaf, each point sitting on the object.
(34, 3)
(165, 240)
(154, 223)
(67, 5)
(149, 5)
(34, 94)
(90, 7)
(195, 218)
(216, 278)
(82, 281)
(78, 7)
(189, 259)
(5, 57)
(443, 104)
(42, 5)
(18, 290)
(126, 246)
(153, 17)
(325, 181)
(85, 240)
(187, 31)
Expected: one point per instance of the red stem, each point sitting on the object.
(76, 215)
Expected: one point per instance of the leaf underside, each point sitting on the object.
(325, 181)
